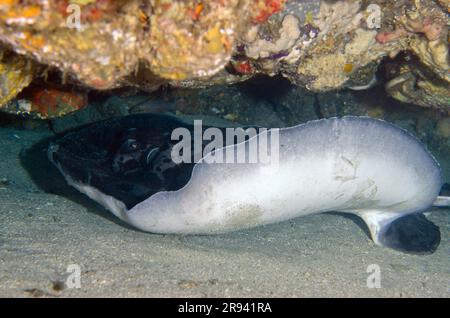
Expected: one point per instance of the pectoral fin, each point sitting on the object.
(411, 233)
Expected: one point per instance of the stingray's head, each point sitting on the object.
(119, 151)
(126, 158)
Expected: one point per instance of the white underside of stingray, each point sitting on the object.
(354, 164)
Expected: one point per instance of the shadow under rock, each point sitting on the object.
(265, 87)
(445, 191)
(48, 179)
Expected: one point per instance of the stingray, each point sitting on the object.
(358, 165)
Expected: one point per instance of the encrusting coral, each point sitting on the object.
(321, 45)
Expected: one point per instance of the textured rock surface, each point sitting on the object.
(320, 45)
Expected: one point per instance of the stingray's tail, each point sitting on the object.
(442, 202)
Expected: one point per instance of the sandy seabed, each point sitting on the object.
(47, 226)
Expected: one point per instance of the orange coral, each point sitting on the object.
(265, 8)
(348, 68)
(13, 11)
(195, 13)
(53, 102)
(243, 67)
